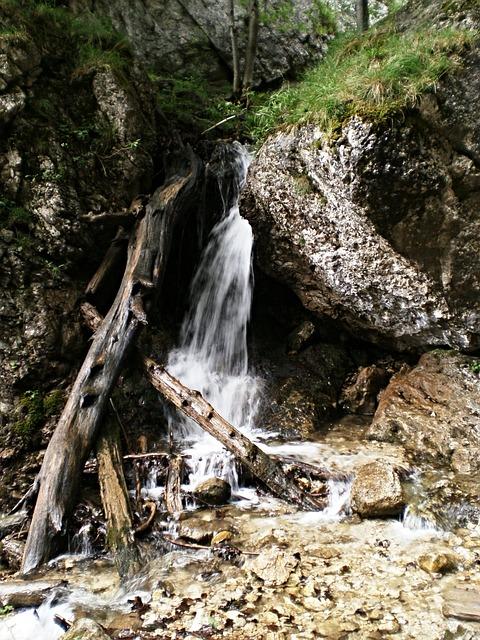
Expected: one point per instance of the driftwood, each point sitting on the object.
(78, 425)
(151, 507)
(263, 467)
(116, 504)
(193, 405)
(173, 486)
(462, 603)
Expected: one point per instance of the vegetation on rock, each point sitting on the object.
(371, 76)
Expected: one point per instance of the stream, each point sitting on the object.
(289, 574)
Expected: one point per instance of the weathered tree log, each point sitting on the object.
(173, 486)
(116, 504)
(193, 405)
(110, 262)
(78, 425)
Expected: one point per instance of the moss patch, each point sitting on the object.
(33, 410)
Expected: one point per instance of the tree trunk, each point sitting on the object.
(78, 425)
(251, 52)
(362, 15)
(237, 87)
(113, 258)
(116, 504)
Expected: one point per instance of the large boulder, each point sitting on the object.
(379, 228)
(433, 409)
(376, 490)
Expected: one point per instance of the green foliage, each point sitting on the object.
(372, 76)
(475, 366)
(193, 104)
(34, 409)
(13, 216)
(85, 40)
(5, 610)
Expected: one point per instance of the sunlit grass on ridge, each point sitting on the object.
(372, 75)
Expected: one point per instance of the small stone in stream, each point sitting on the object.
(376, 490)
(274, 567)
(85, 629)
(213, 491)
(438, 562)
(221, 536)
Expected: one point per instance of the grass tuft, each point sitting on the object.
(372, 76)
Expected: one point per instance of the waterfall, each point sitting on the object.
(212, 356)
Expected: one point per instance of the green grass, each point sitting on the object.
(85, 41)
(371, 76)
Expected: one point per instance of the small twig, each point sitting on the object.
(194, 545)
(152, 506)
(219, 123)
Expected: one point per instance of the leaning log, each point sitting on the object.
(110, 263)
(115, 501)
(78, 425)
(192, 404)
(262, 466)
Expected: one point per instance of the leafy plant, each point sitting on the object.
(475, 367)
(6, 609)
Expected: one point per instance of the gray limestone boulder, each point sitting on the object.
(379, 228)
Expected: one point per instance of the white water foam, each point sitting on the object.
(212, 356)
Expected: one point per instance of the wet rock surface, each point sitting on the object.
(85, 629)
(376, 491)
(213, 491)
(433, 409)
(307, 574)
(356, 244)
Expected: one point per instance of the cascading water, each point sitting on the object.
(212, 356)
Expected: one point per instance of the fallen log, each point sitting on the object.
(173, 486)
(116, 504)
(77, 428)
(192, 404)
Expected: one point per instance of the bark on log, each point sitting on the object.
(110, 262)
(116, 504)
(192, 404)
(78, 425)
(173, 486)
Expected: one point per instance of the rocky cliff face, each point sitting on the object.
(379, 228)
(73, 140)
(193, 37)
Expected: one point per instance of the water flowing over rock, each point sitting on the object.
(433, 409)
(213, 356)
(348, 224)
